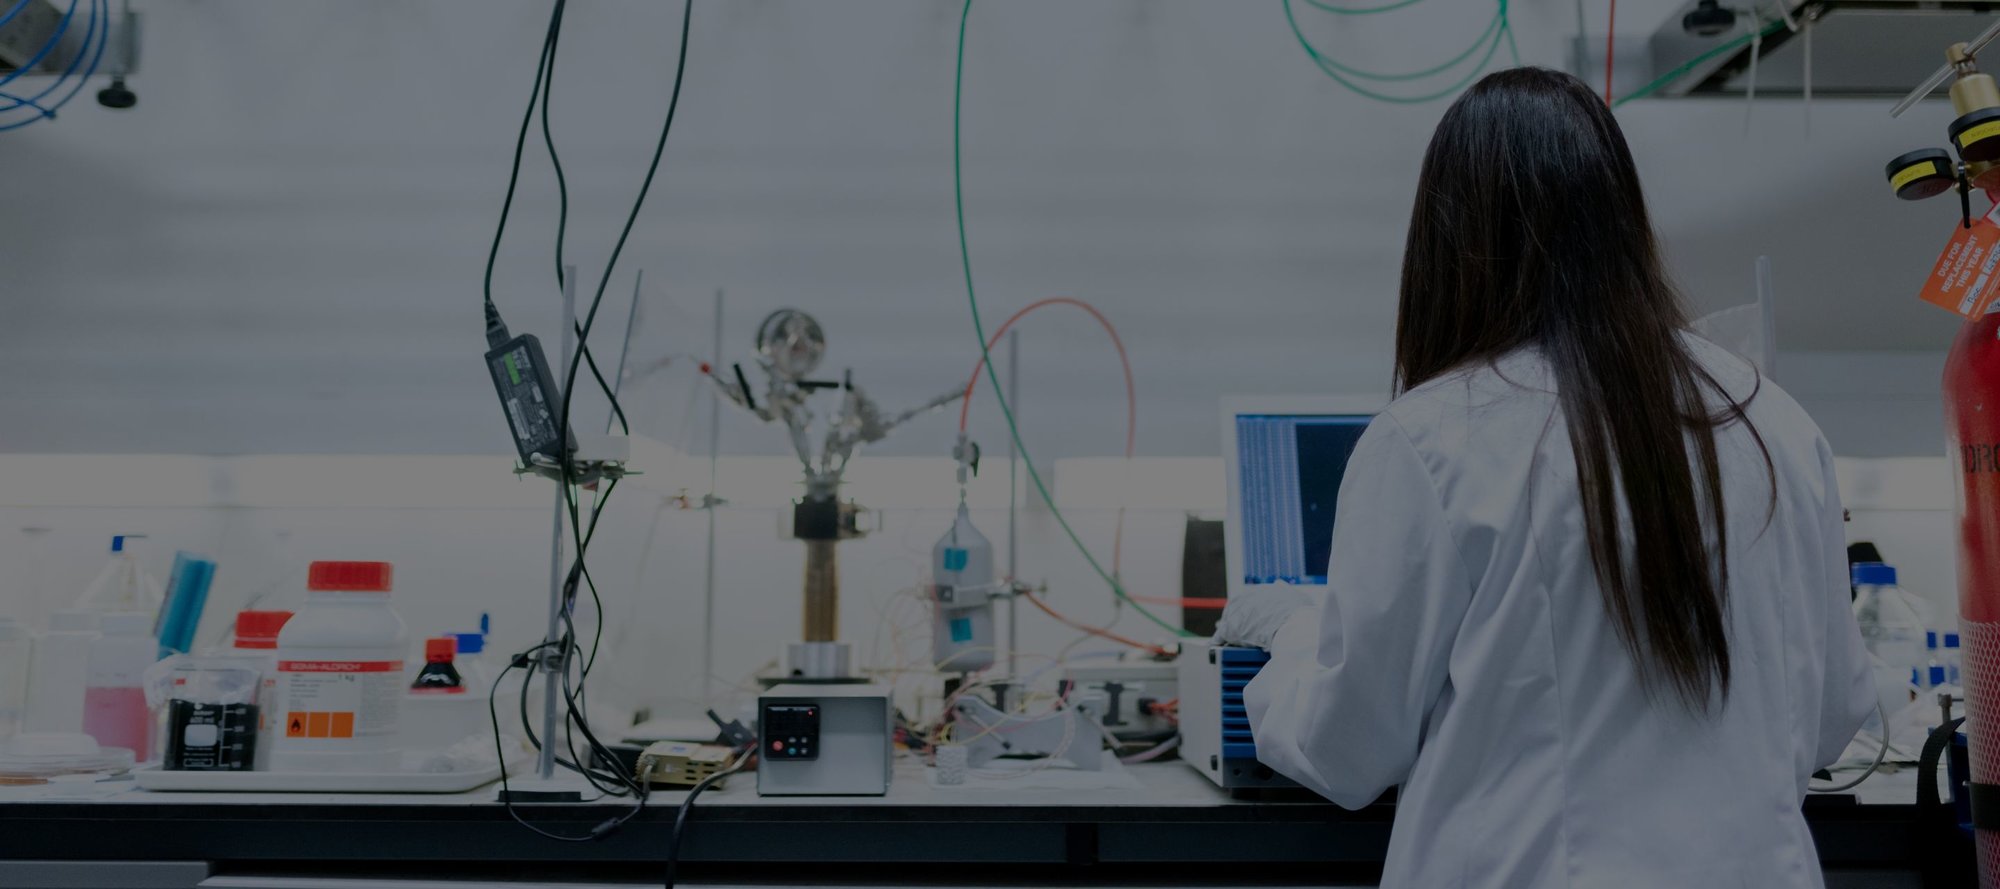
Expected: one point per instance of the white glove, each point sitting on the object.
(1255, 615)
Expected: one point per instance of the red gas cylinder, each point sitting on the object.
(1972, 421)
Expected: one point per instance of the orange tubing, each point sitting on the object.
(1131, 393)
(1099, 632)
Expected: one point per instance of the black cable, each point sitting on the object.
(493, 716)
(521, 142)
(630, 784)
(525, 662)
(566, 646)
(597, 601)
(544, 80)
(548, 88)
(687, 805)
(631, 218)
(574, 764)
(621, 785)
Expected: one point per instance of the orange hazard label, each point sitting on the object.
(1965, 279)
(319, 725)
(340, 699)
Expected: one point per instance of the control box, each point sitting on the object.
(1132, 695)
(1215, 727)
(824, 740)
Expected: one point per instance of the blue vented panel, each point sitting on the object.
(1239, 666)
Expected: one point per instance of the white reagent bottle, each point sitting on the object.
(340, 674)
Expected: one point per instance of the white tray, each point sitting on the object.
(152, 778)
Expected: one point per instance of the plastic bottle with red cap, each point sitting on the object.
(257, 639)
(258, 630)
(340, 674)
(439, 675)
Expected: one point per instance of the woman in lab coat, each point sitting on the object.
(1588, 602)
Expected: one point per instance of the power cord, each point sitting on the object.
(613, 781)
(1881, 755)
(638, 203)
(565, 649)
(538, 95)
(548, 88)
(569, 474)
(570, 659)
(526, 662)
(687, 805)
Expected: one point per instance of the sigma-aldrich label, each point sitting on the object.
(339, 700)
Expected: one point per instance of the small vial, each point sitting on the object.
(439, 675)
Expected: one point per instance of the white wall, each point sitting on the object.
(1871, 403)
(279, 249)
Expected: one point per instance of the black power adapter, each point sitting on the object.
(528, 393)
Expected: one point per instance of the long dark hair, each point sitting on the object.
(1530, 230)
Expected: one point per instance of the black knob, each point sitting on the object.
(116, 95)
(1708, 19)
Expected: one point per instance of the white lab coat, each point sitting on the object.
(1463, 651)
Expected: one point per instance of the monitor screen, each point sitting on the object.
(1290, 467)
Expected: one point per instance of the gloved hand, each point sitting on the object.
(1255, 615)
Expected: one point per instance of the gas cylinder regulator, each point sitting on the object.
(1974, 133)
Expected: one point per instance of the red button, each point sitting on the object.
(777, 746)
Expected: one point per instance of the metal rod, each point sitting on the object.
(552, 657)
(624, 349)
(1013, 462)
(1924, 89)
(708, 572)
(1767, 307)
(1806, 102)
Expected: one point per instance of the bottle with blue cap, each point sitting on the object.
(1936, 673)
(1892, 626)
(472, 664)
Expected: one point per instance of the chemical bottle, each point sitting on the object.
(340, 674)
(445, 706)
(439, 675)
(257, 643)
(15, 650)
(123, 586)
(114, 695)
(962, 621)
(57, 674)
(471, 662)
(1893, 630)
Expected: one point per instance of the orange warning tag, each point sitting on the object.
(1965, 279)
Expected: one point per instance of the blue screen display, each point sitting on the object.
(1290, 467)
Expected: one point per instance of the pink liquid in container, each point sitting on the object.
(117, 717)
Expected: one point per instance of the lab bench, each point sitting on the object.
(1172, 828)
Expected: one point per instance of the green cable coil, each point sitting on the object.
(1500, 28)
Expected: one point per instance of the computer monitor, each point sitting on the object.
(1286, 457)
